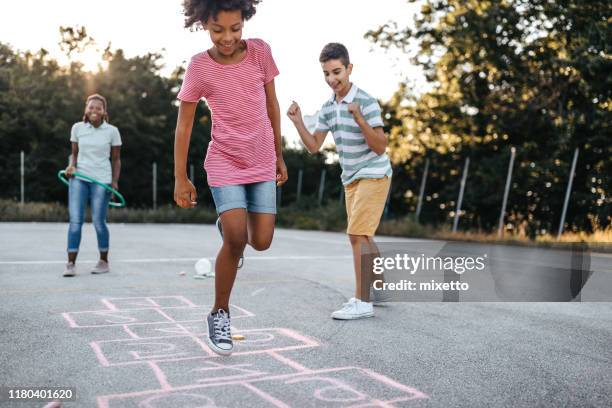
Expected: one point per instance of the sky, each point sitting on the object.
(296, 31)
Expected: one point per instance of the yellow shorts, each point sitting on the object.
(365, 203)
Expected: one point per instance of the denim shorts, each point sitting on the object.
(255, 197)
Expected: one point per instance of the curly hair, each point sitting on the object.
(96, 97)
(335, 51)
(198, 11)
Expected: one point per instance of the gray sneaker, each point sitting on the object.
(101, 267)
(220, 228)
(219, 333)
(70, 270)
(379, 297)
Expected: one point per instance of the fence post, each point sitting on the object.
(506, 191)
(154, 185)
(299, 185)
(461, 190)
(322, 186)
(22, 177)
(422, 190)
(568, 192)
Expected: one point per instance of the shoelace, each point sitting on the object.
(348, 306)
(222, 326)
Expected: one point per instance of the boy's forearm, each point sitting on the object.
(374, 141)
(307, 138)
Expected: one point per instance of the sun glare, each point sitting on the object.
(92, 60)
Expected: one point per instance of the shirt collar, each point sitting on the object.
(103, 125)
(349, 97)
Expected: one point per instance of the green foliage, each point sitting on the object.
(40, 100)
(528, 74)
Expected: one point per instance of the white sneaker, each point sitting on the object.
(354, 309)
(101, 267)
(70, 270)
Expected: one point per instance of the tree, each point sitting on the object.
(530, 74)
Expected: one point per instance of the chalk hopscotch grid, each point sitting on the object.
(178, 330)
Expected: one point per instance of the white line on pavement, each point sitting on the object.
(153, 260)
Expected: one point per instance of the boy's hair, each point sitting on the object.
(335, 51)
(96, 97)
(198, 11)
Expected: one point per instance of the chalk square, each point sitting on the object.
(194, 314)
(334, 387)
(216, 369)
(257, 341)
(135, 351)
(213, 395)
(265, 340)
(145, 331)
(107, 318)
(338, 387)
(125, 303)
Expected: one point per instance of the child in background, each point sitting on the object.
(354, 118)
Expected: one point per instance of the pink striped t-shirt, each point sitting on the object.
(242, 147)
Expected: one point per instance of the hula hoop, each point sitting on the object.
(60, 176)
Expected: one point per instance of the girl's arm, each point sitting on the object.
(314, 141)
(116, 165)
(73, 159)
(184, 192)
(274, 115)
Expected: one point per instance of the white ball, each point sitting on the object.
(203, 267)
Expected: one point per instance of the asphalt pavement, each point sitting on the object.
(135, 337)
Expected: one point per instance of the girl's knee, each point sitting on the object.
(261, 244)
(235, 245)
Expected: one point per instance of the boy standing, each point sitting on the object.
(354, 118)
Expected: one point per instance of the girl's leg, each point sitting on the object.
(99, 206)
(234, 223)
(261, 207)
(78, 195)
(260, 230)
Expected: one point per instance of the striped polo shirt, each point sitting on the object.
(357, 160)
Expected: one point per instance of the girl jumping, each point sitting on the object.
(244, 162)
